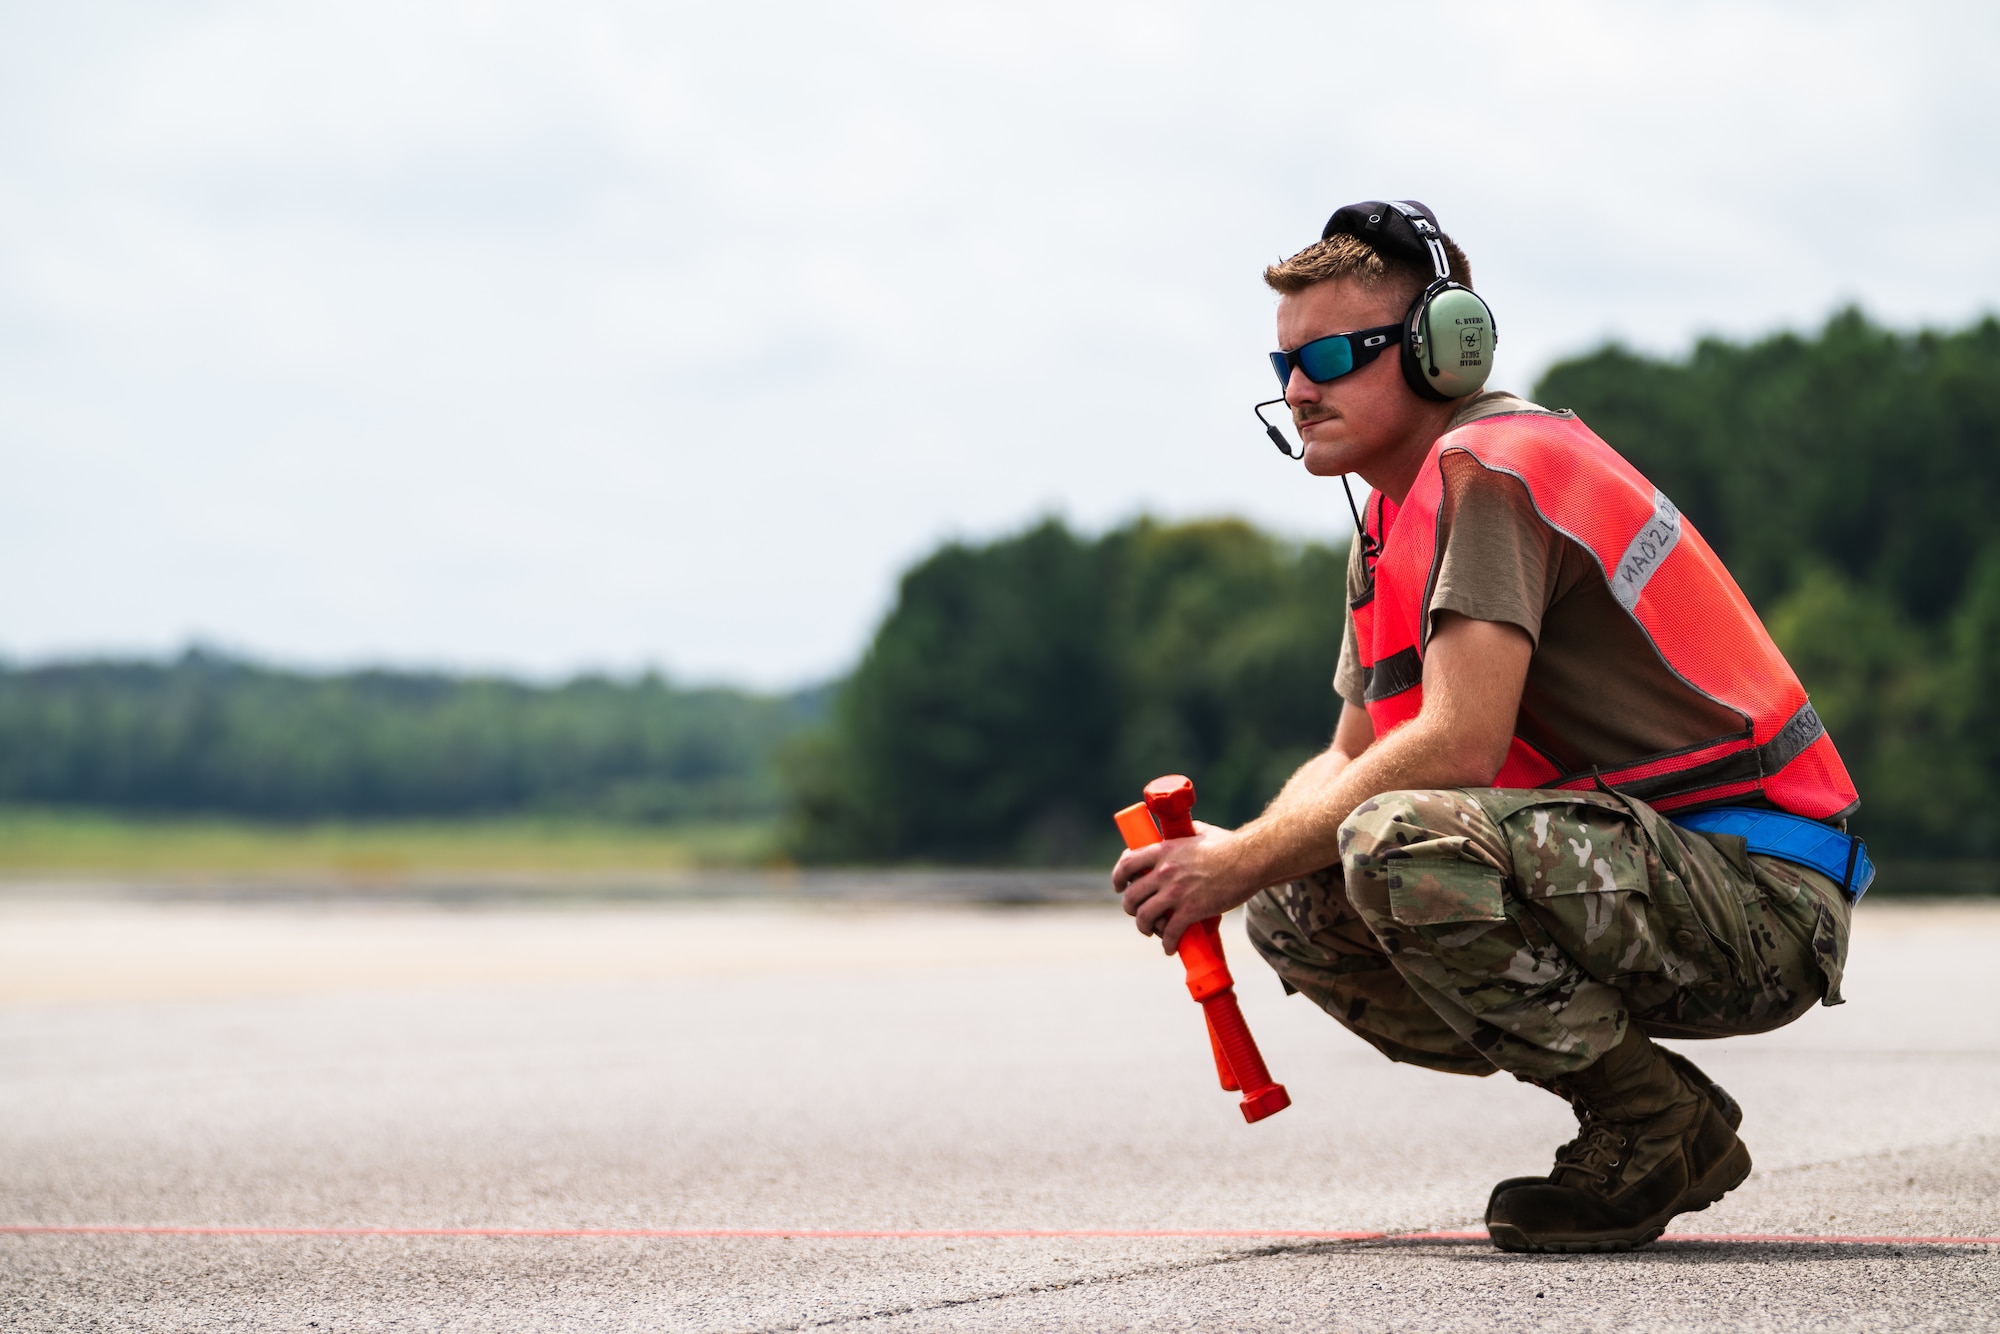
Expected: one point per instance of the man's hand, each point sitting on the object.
(1170, 886)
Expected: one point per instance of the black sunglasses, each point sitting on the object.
(1335, 355)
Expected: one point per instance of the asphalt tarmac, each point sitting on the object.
(388, 1089)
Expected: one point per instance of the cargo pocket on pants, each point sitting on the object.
(1436, 890)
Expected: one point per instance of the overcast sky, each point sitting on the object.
(594, 335)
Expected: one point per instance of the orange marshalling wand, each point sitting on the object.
(1168, 812)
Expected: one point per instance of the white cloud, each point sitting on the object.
(545, 336)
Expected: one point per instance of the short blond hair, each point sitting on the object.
(1345, 256)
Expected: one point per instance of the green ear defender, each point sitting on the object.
(1448, 342)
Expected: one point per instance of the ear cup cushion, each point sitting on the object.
(1411, 359)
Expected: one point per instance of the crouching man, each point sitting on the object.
(1576, 799)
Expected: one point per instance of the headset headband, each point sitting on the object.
(1402, 227)
(1425, 224)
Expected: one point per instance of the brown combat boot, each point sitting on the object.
(1651, 1143)
(1731, 1110)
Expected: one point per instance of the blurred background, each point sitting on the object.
(485, 439)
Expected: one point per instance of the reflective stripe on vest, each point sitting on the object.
(1665, 577)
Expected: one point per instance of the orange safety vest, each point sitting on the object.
(1664, 575)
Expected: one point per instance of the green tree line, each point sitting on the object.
(214, 735)
(1020, 690)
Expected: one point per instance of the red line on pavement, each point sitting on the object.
(891, 1234)
(149, 1229)
(918, 1234)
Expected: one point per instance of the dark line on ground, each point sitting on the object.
(1093, 1281)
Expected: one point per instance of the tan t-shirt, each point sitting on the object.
(1597, 693)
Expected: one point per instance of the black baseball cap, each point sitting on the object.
(1386, 227)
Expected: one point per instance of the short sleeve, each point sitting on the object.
(1497, 558)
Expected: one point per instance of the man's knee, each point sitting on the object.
(1423, 857)
(1314, 941)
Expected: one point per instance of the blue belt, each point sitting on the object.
(1839, 857)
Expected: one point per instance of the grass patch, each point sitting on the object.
(71, 843)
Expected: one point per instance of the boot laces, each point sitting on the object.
(1598, 1147)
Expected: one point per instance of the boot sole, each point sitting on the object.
(1724, 1177)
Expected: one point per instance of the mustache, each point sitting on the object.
(1307, 416)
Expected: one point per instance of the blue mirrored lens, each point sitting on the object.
(1282, 364)
(1326, 359)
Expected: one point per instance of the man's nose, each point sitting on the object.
(1299, 389)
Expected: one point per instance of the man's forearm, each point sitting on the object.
(1300, 832)
(1307, 786)
(1473, 678)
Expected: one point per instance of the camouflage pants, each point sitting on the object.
(1489, 929)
